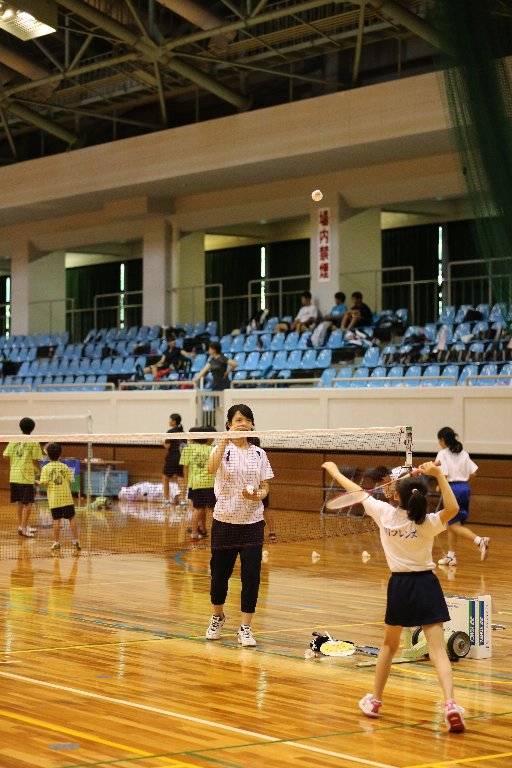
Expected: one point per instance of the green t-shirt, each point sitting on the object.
(57, 477)
(195, 456)
(21, 457)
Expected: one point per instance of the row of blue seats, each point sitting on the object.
(451, 333)
(474, 351)
(433, 375)
(33, 340)
(62, 366)
(499, 312)
(142, 334)
(45, 383)
(255, 341)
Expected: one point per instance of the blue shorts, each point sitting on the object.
(462, 492)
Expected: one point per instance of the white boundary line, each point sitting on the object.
(192, 719)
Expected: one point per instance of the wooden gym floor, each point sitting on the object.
(104, 663)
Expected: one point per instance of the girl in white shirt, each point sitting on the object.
(242, 471)
(414, 596)
(459, 469)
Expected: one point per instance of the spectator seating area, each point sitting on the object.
(452, 351)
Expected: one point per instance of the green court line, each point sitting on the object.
(200, 752)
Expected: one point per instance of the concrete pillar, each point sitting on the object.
(20, 287)
(361, 254)
(47, 293)
(156, 272)
(325, 242)
(188, 290)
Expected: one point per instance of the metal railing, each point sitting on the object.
(284, 305)
(478, 288)
(250, 383)
(202, 307)
(122, 310)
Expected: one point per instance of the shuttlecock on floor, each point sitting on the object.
(264, 555)
(315, 556)
(365, 555)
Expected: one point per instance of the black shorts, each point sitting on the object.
(63, 512)
(236, 535)
(172, 467)
(415, 598)
(202, 498)
(23, 493)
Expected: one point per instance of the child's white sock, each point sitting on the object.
(451, 554)
(477, 540)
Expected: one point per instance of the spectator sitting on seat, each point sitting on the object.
(307, 316)
(339, 309)
(219, 366)
(173, 358)
(358, 315)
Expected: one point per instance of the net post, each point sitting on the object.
(408, 446)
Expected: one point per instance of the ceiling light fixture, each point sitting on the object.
(27, 19)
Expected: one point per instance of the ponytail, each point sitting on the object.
(450, 438)
(412, 492)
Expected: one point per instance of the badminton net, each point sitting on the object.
(123, 506)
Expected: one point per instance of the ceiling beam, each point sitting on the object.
(34, 118)
(154, 53)
(407, 19)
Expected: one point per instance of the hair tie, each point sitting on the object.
(415, 490)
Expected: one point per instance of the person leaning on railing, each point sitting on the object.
(219, 366)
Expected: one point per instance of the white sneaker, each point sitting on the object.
(245, 637)
(216, 624)
(484, 547)
(370, 706)
(447, 560)
(28, 533)
(453, 716)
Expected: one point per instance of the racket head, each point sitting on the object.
(344, 500)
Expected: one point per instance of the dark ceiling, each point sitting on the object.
(120, 68)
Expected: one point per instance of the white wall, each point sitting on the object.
(482, 415)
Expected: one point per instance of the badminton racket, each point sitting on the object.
(350, 498)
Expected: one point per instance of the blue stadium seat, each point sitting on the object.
(326, 378)
(378, 377)
(505, 371)
(324, 358)
(308, 361)
(396, 372)
(412, 376)
(90, 336)
(85, 364)
(251, 342)
(431, 376)
(265, 340)
(211, 328)
(371, 357)
(484, 309)
(360, 373)
(476, 351)
(461, 313)
(461, 331)
(279, 361)
(447, 332)
(271, 324)
(285, 373)
(471, 369)
(129, 366)
(344, 375)
(387, 355)
(489, 369)
(498, 313)
(252, 362)
(95, 365)
(277, 343)
(198, 363)
(450, 375)
(225, 344)
(304, 340)
(336, 339)
(24, 369)
(239, 359)
(447, 316)
(240, 375)
(106, 365)
(481, 329)
(264, 365)
(294, 360)
(291, 341)
(237, 343)
(44, 365)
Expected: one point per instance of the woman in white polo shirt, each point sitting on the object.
(241, 472)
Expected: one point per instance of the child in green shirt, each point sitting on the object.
(57, 478)
(194, 458)
(24, 462)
